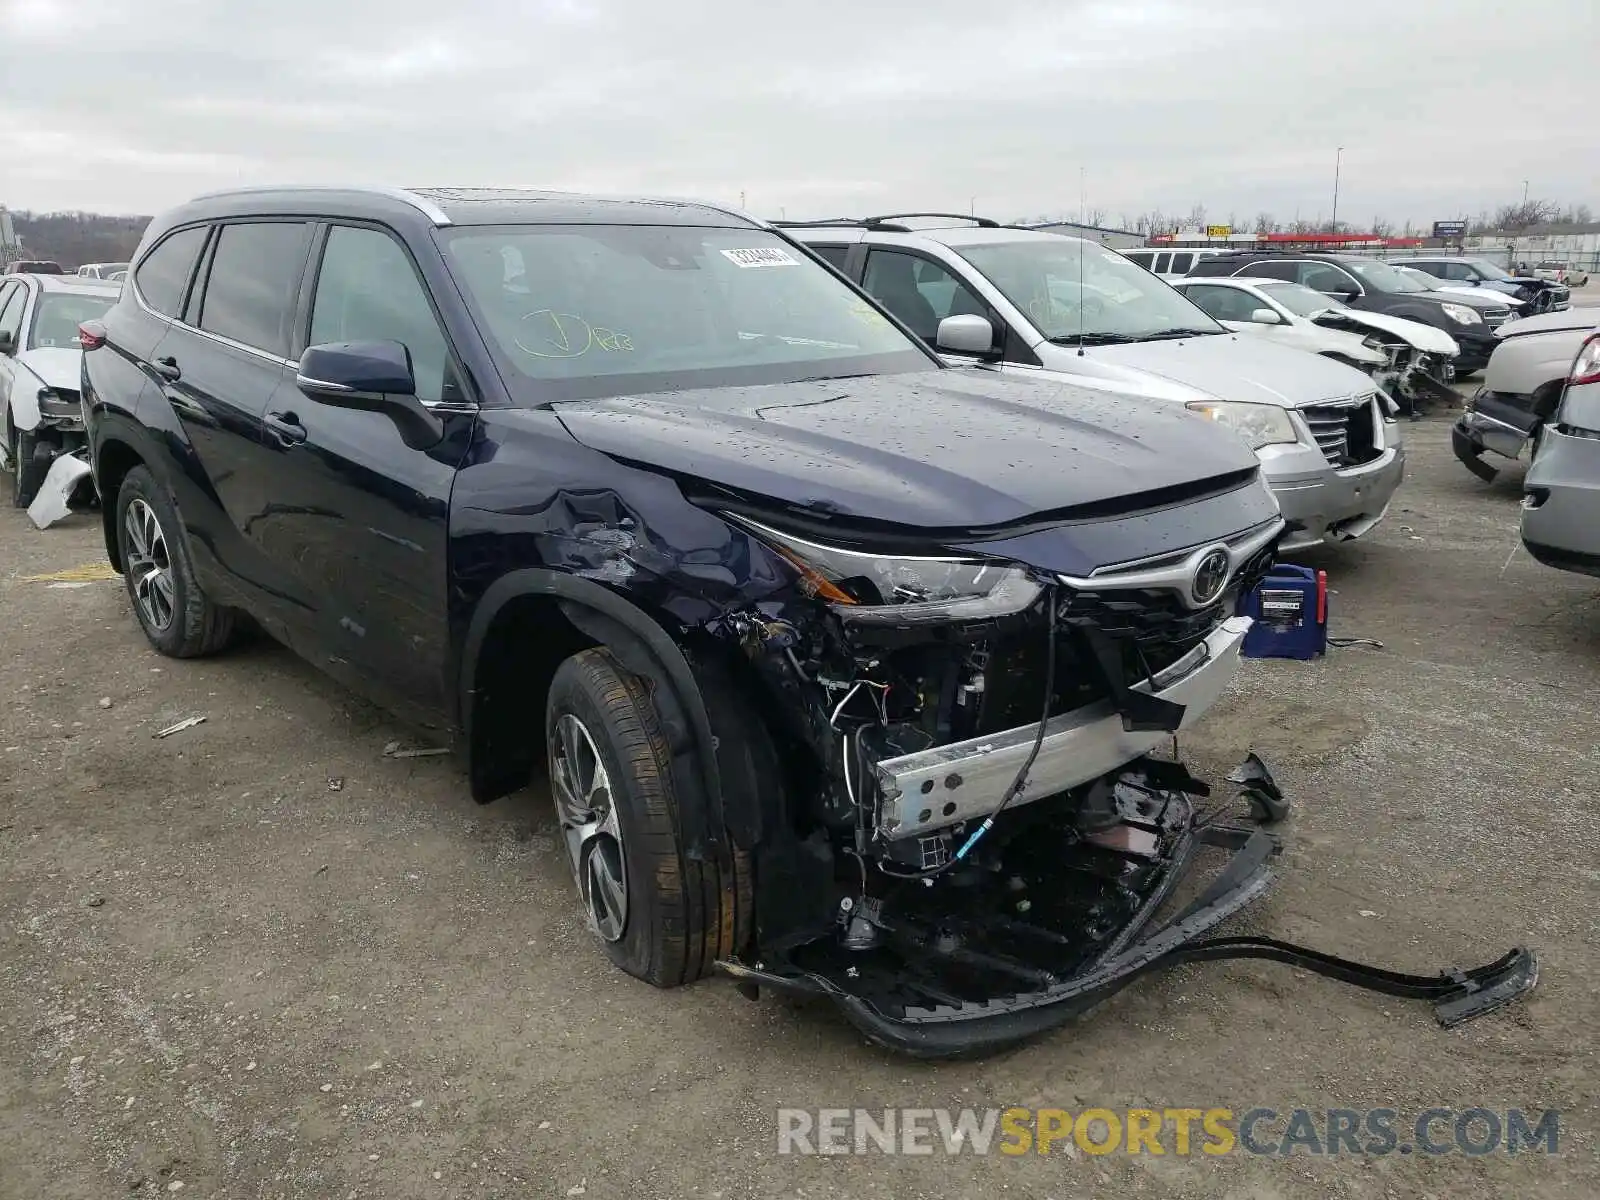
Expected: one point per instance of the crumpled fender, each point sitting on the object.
(24, 398)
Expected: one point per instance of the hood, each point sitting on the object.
(1215, 367)
(1424, 337)
(1552, 322)
(1475, 298)
(950, 450)
(56, 366)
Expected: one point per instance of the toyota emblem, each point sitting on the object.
(1210, 577)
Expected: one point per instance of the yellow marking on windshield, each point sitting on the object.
(567, 335)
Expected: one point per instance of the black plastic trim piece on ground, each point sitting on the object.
(1469, 452)
(967, 1029)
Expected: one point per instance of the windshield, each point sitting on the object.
(1299, 299)
(1417, 275)
(56, 319)
(1070, 289)
(1382, 277)
(579, 311)
(1488, 270)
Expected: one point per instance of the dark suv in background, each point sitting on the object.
(1373, 286)
(821, 643)
(1540, 295)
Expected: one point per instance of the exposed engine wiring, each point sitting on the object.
(1021, 779)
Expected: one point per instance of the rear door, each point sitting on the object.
(357, 519)
(219, 364)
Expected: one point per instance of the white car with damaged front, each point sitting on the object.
(41, 366)
(1405, 358)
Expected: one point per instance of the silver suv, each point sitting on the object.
(1022, 301)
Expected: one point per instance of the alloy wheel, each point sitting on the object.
(149, 566)
(586, 808)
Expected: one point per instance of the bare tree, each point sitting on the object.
(1094, 216)
(1265, 223)
(1382, 228)
(1525, 215)
(1197, 216)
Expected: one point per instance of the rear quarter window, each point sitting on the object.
(831, 254)
(164, 273)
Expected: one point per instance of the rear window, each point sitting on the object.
(251, 286)
(164, 273)
(578, 311)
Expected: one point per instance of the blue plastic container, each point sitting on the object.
(1290, 610)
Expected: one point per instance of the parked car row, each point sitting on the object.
(1023, 303)
(841, 577)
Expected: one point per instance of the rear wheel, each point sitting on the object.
(177, 617)
(659, 915)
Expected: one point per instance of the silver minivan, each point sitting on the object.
(1026, 301)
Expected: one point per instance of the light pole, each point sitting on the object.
(1338, 157)
(1524, 193)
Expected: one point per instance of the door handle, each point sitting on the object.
(286, 428)
(168, 369)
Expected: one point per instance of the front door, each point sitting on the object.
(358, 518)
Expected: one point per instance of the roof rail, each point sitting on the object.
(423, 205)
(824, 223)
(889, 222)
(981, 222)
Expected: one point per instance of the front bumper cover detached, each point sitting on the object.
(957, 1027)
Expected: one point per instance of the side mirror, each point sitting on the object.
(370, 377)
(8, 343)
(1265, 316)
(965, 334)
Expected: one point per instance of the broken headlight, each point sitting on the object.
(891, 589)
(55, 407)
(1259, 424)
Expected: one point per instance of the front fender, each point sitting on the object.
(24, 399)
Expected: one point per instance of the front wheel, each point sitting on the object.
(659, 915)
(28, 467)
(179, 619)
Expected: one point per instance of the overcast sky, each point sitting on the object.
(1442, 106)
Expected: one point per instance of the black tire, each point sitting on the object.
(681, 915)
(195, 624)
(28, 467)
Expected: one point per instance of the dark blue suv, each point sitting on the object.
(843, 665)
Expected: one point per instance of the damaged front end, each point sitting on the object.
(985, 849)
(1415, 373)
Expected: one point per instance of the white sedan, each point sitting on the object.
(1405, 358)
(40, 367)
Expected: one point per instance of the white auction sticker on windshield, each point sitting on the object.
(762, 256)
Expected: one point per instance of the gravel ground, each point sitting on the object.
(264, 958)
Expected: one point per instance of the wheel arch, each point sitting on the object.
(505, 673)
(113, 459)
